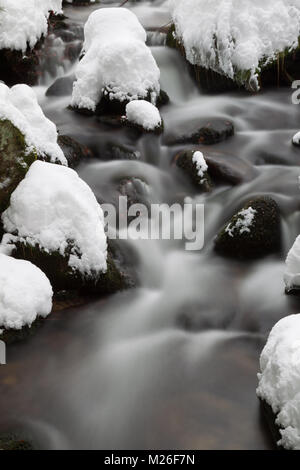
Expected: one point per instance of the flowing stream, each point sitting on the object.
(171, 363)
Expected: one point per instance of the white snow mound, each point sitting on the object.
(25, 293)
(236, 35)
(116, 61)
(143, 114)
(200, 163)
(296, 139)
(279, 380)
(292, 273)
(20, 106)
(23, 22)
(52, 207)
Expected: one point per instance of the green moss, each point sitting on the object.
(15, 160)
(14, 442)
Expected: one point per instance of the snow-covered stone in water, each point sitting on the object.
(201, 165)
(194, 165)
(54, 211)
(292, 273)
(296, 139)
(24, 22)
(236, 38)
(19, 105)
(254, 231)
(117, 65)
(242, 223)
(25, 293)
(279, 379)
(143, 114)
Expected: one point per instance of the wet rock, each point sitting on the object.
(62, 277)
(17, 67)
(208, 133)
(253, 232)
(184, 160)
(12, 336)
(119, 152)
(62, 86)
(73, 150)
(14, 160)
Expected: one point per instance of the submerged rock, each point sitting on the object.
(61, 87)
(197, 173)
(15, 160)
(208, 133)
(253, 232)
(74, 152)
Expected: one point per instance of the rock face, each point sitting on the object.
(14, 160)
(185, 161)
(73, 150)
(253, 232)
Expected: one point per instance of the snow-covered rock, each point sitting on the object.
(24, 22)
(54, 210)
(236, 38)
(194, 165)
(144, 114)
(296, 139)
(117, 64)
(19, 105)
(254, 231)
(292, 272)
(279, 379)
(25, 293)
(201, 165)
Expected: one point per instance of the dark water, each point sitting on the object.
(172, 363)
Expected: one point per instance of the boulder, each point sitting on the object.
(186, 161)
(15, 160)
(73, 150)
(253, 232)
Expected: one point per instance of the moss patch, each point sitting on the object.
(15, 160)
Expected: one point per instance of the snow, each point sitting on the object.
(53, 206)
(143, 114)
(279, 380)
(236, 35)
(292, 273)
(20, 106)
(23, 22)
(243, 223)
(201, 165)
(25, 293)
(117, 61)
(296, 138)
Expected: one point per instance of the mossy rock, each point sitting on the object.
(262, 237)
(14, 442)
(282, 71)
(12, 336)
(184, 161)
(63, 277)
(15, 160)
